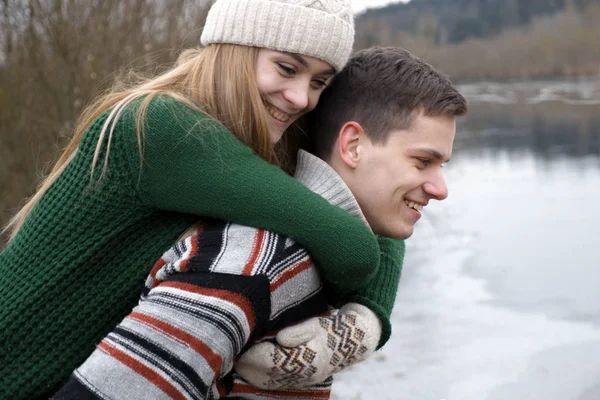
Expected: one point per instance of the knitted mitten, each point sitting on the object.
(312, 351)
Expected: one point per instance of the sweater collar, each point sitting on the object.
(320, 178)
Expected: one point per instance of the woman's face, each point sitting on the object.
(290, 85)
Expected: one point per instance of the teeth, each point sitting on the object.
(278, 115)
(414, 205)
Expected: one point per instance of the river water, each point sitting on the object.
(500, 293)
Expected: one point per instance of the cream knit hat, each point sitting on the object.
(318, 28)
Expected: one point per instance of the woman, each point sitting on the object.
(147, 159)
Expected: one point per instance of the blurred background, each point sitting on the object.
(500, 292)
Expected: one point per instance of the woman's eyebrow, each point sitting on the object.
(304, 63)
(297, 57)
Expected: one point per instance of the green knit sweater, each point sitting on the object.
(77, 265)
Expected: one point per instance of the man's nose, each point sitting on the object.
(436, 187)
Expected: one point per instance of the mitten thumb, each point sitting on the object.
(299, 334)
(369, 319)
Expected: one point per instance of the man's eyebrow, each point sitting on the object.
(434, 153)
(304, 63)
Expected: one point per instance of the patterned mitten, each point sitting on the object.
(312, 351)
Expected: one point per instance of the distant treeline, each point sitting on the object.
(457, 20)
(506, 39)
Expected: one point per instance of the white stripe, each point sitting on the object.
(266, 258)
(288, 263)
(157, 364)
(294, 291)
(227, 314)
(171, 344)
(238, 243)
(100, 370)
(209, 333)
(84, 381)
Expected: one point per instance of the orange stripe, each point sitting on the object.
(213, 359)
(142, 370)
(290, 273)
(240, 388)
(259, 242)
(235, 298)
(221, 389)
(183, 266)
(157, 266)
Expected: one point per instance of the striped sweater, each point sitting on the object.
(207, 299)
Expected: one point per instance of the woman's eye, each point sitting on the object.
(287, 70)
(320, 83)
(425, 161)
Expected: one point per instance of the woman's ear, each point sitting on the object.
(351, 138)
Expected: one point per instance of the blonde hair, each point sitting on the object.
(219, 80)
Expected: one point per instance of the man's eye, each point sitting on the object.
(425, 161)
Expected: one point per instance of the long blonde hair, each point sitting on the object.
(219, 80)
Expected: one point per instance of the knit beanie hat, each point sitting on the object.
(323, 29)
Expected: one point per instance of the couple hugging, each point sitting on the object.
(265, 285)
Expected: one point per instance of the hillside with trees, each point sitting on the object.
(453, 21)
(492, 39)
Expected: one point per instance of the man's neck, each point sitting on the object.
(320, 178)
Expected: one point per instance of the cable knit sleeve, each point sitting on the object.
(379, 294)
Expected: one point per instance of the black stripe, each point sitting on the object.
(326, 384)
(271, 248)
(306, 308)
(163, 360)
(276, 248)
(75, 390)
(255, 289)
(179, 248)
(205, 312)
(283, 264)
(291, 249)
(209, 244)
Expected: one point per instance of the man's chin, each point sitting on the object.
(399, 234)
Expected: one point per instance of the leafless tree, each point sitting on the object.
(55, 55)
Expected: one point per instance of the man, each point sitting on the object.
(385, 125)
(382, 131)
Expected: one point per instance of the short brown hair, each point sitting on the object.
(381, 88)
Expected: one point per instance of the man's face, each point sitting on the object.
(392, 182)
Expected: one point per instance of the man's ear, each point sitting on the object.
(349, 144)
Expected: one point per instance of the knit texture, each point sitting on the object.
(203, 302)
(379, 294)
(76, 266)
(319, 28)
(319, 177)
(215, 290)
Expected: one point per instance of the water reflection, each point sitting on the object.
(499, 297)
(547, 118)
